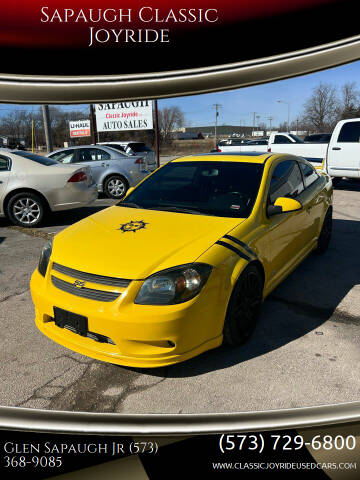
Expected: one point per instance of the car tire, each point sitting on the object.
(325, 234)
(26, 209)
(244, 307)
(115, 187)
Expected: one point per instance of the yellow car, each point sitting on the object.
(184, 262)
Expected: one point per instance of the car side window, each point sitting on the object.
(100, 154)
(281, 139)
(286, 181)
(4, 164)
(84, 155)
(309, 173)
(350, 133)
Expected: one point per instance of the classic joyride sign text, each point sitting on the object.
(143, 17)
(136, 115)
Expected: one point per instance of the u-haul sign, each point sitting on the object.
(79, 128)
(136, 115)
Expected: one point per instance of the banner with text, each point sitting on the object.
(79, 128)
(137, 115)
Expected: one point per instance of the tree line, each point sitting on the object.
(326, 105)
(17, 125)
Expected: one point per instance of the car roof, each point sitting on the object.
(249, 157)
(77, 147)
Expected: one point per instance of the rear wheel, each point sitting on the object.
(244, 307)
(26, 209)
(115, 187)
(325, 234)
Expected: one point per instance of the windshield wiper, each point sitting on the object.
(171, 208)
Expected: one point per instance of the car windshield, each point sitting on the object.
(224, 189)
(36, 158)
(138, 147)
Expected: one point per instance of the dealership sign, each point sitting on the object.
(136, 115)
(79, 128)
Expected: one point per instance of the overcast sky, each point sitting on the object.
(238, 105)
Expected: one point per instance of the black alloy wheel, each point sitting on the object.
(244, 307)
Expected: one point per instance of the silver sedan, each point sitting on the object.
(113, 171)
(32, 185)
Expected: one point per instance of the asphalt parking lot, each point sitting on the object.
(305, 350)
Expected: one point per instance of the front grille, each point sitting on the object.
(90, 277)
(84, 292)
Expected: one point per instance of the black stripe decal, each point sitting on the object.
(234, 249)
(242, 244)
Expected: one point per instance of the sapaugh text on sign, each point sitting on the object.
(136, 115)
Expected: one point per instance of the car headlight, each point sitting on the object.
(45, 258)
(174, 285)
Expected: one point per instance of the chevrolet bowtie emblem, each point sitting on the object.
(79, 284)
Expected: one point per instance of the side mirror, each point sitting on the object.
(283, 205)
(129, 191)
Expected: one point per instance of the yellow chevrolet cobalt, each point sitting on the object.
(183, 263)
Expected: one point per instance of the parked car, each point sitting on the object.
(339, 158)
(184, 262)
(318, 138)
(134, 149)
(32, 186)
(113, 171)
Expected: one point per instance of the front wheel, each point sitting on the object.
(244, 307)
(325, 234)
(115, 187)
(26, 209)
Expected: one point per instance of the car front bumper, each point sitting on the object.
(142, 335)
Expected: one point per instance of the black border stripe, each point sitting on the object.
(242, 244)
(234, 249)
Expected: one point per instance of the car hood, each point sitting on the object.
(134, 243)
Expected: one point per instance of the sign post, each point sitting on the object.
(156, 128)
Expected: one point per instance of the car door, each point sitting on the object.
(344, 152)
(96, 158)
(288, 232)
(312, 200)
(4, 175)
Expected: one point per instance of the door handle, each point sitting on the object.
(103, 165)
(336, 148)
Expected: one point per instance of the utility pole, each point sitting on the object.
(216, 106)
(288, 113)
(254, 116)
(94, 136)
(156, 129)
(47, 127)
(270, 120)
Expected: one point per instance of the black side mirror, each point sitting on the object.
(273, 210)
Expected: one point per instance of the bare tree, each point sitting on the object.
(170, 118)
(350, 102)
(321, 109)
